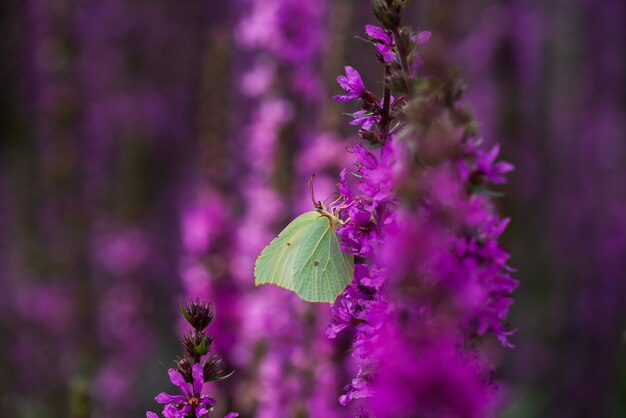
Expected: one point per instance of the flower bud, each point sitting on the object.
(183, 366)
(197, 344)
(198, 314)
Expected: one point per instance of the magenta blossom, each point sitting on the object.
(178, 406)
(365, 118)
(351, 83)
(493, 172)
(368, 117)
(422, 37)
(384, 41)
(172, 410)
(378, 34)
(484, 164)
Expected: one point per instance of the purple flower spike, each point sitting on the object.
(189, 374)
(352, 85)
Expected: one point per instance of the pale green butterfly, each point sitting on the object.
(306, 258)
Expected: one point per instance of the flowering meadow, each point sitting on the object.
(313, 208)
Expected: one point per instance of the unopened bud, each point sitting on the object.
(198, 313)
(197, 344)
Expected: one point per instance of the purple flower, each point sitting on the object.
(493, 172)
(384, 42)
(483, 164)
(422, 37)
(360, 216)
(178, 406)
(343, 185)
(351, 83)
(378, 34)
(369, 116)
(359, 388)
(343, 316)
(365, 118)
(377, 176)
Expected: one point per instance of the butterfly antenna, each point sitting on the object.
(318, 205)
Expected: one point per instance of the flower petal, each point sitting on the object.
(207, 401)
(201, 411)
(355, 81)
(423, 37)
(167, 398)
(170, 411)
(177, 379)
(386, 52)
(342, 99)
(351, 73)
(378, 33)
(198, 378)
(150, 414)
(342, 80)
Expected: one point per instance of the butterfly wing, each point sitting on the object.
(275, 264)
(322, 270)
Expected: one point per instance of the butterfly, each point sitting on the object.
(306, 257)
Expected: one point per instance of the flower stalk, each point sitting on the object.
(431, 280)
(193, 370)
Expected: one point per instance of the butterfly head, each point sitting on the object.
(320, 207)
(332, 215)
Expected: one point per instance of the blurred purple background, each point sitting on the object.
(150, 149)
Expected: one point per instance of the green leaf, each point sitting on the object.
(186, 314)
(481, 189)
(201, 348)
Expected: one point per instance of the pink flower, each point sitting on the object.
(351, 83)
(384, 41)
(364, 118)
(422, 37)
(178, 406)
(493, 172)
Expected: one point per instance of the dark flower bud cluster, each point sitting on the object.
(191, 371)
(199, 314)
(197, 343)
(389, 12)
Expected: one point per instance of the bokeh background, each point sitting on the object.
(150, 149)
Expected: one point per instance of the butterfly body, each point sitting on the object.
(306, 258)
